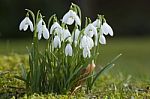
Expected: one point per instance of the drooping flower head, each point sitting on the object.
(86, 52)
(70, 17)
(57, 42)
(106, 29)
(86, 41)
(68, 50)
(90, 30)
(103, 28)
(25, 23)
(42, 30)
(102, 39)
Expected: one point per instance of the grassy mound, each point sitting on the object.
(108, 86)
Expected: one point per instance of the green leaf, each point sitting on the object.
(72, 75)
(20, 78)
(107, 67)
(23, 71)
(79, 11)
(37, 16)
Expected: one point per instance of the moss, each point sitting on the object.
(107, 86)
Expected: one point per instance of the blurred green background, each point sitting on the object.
(130, 21)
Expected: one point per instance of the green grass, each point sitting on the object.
(134, 60)
(135, 56)
(131, 69)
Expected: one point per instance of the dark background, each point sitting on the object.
(127, 18)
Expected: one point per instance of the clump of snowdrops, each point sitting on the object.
(67, 62)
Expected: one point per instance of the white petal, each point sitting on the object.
(57, 42)
(68, 50)
(90, 30)
(106, 29)
(30, 24)
(39, 35)
(66, 34)
(102, 39)
(25, 23)
(72, 13)
(25, 27)
(90, 42)
(77, 19)
(39, 25)
(86, 41)
(70, 21)
(110, 31)
(60, 33)
(77, 33)
(83, 42)
(86, 52)
(87, 29)
(22, 24)
(65, 17)
(94, 30)
(45, 32)
(68, 18)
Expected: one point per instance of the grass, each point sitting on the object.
(129, 78)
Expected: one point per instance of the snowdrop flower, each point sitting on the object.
(86, 41)
(90, 30)
(86, 52)
(55, 27)
(25, 23)
(70, 17)
(102, 39)
(106, 29)
(57, 42)
(42, 30)
(65, 34)
(68, 50)
(97, 23)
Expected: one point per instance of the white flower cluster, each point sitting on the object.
(86, 38)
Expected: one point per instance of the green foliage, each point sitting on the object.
(112, 86)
